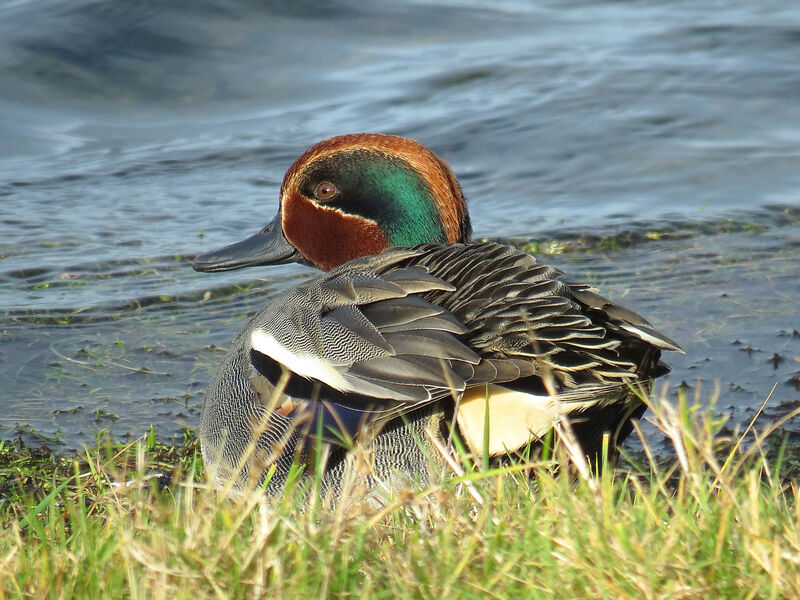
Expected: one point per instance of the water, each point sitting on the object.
(652, 148)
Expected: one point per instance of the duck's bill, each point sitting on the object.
(267, 247)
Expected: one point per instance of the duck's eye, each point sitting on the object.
(325, 191)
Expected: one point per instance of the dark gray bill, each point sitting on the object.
(267, 247)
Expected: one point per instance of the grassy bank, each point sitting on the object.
(720, 519)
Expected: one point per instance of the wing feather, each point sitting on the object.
(388, 333)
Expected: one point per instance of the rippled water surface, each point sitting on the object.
(652, 148)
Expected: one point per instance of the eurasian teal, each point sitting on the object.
(413, 331)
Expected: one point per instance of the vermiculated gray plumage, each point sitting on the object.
(401, 334)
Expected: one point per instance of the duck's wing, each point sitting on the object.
(384, 335)
(522, 314)
(364, 340)
(548, 348)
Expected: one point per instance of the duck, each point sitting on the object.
(413, 335)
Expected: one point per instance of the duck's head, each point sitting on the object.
(351, 196)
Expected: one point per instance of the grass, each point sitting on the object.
(719, 519)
